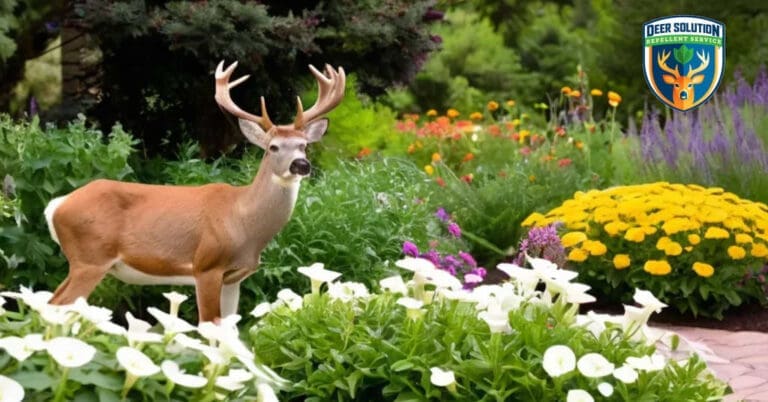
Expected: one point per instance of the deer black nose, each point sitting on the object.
(300, 166)
(684, 95)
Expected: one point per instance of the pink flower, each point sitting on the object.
(454, 229)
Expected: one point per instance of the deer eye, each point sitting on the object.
(274, 148)
(677, 85)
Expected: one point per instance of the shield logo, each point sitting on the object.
(683, 59)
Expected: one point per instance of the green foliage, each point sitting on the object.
(372, 348)
(353, 219)
(42, 80)
(683, 54)
(44, 163)
(381, 41)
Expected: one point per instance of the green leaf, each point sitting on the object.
(99, 379)
(401, 365)
(34, 380)
(408, 397)
(683, 54)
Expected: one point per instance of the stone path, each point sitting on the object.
(741, 359)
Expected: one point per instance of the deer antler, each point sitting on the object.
(330, 94)
(662, 59)
(704, 58)
(224, 100)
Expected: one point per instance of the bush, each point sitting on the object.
(694, 247)
(41, 164)
(70, 353)
(496, 343)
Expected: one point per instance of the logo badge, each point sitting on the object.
(683, 59)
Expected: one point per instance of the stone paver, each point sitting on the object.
(741, 359)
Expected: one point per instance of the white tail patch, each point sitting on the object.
(49, 211)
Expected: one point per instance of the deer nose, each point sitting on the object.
(683, 95)
(300, 166)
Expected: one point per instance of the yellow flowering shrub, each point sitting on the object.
(696, 248)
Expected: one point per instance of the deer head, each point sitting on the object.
(683, 85)
(285, 144)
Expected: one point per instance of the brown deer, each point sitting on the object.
(683, 85)
(209, 236)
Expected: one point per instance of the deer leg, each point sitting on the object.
(230, 295)
(208, 285)
(80, 282)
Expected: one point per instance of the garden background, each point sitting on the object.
(472, 133)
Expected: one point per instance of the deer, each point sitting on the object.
(683, 89)
(209, 236)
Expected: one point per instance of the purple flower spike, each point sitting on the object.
(468, 259)
(410, 249)
(454, 229)
(480, 271)
(442, 215)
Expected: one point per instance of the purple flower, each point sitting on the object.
(442, 215)
(468, 259)
(479, 271)
(454, 229)
(410, 249)
(471, 280)
(433, 256)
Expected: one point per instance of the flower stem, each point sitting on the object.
(62, 387)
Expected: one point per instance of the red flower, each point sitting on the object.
(560, 131)
(468, 178)
(363, 153)
(440, 182)
(564, 162)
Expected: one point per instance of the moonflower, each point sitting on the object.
(559, 360)
(266, 393)
(443, 378)
(413, 306)
(136, 363)
(647, 363)
(172, 371)
(70, 352)
(648, 300)
(594, 365)
(10, 390)
(394, 284)
(318, 275)
(138, 331)
(234, 380)
(35, 300)
(176, 299)
(347, 291)
(94, 314)
(605, 389)
(579, 395)
(16, 347)
(526, 279)
(289, 298)
(625, 374)
(497, 320)
(261, 309)
(171, 323)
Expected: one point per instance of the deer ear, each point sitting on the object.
(697, 79)
(315, 130)
(668, 79)
(254, 133)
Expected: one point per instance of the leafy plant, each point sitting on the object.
(692, 246)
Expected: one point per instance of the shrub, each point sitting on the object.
(503, 342)
(75, 352)
(692, 246)
(43, 163)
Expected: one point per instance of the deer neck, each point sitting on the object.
(267, 204)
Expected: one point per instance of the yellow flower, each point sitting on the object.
(431, 112)
(743, 238)
(595, 247)
(613, 99)
(452, 113)
(533, 219)
(436, 157)
(577, 255)
(759, 250)
(523, 134)
(636, 235)
(575, 93)
(736, 252)
(493, 106)
(476, 116)
(571, 239)
(565, 90)
(715, 232)
(515, 122)
(613, 228)
(510, 103)
(532, 178)
(694, 239)
(429, 170)
(621, 261)
(596, 92)
(703, 269)
(673, 248)
(663, 242)
(657, 267)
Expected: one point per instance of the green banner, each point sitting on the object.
(684, 39)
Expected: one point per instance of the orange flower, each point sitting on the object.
(452, 113)
(596, 92)
(613, 99)
(436, 157)
(494, 130)
(575, 94)
(578, 144)
(363, 153)
(440, 182)
(431, 112)
(476, 116)
(532, 178)
(510, 103)
(411, 148)
(565, 90)
(493, 106)
(468, 157)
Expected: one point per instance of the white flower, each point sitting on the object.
(394, 284)
(2, 303)
(176, 299)
(442, 279)
(579, 395)
(56, 315)
(497, 320)
(188, 342)
(605, 389)
(171, 324)
(648, 300)
(576, 293)
(559, 360)
(347, 291)
(111, 328)
(234, 380)
(546, 269)
(10, 390)
(36, 300)
(261, 309)
(289, 298)
(594, 365)
(318, 275)
(416, 265)
(413, 306)
(441, 378)
(647, 363)
(16, 347)
(70, 352)
(526, 279)
(593, 322)
(266, 393)
(138, 331)
(136, 363)
(625, 374)
(94, 314)
(172, 371)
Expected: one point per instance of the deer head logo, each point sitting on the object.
(683, 86)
